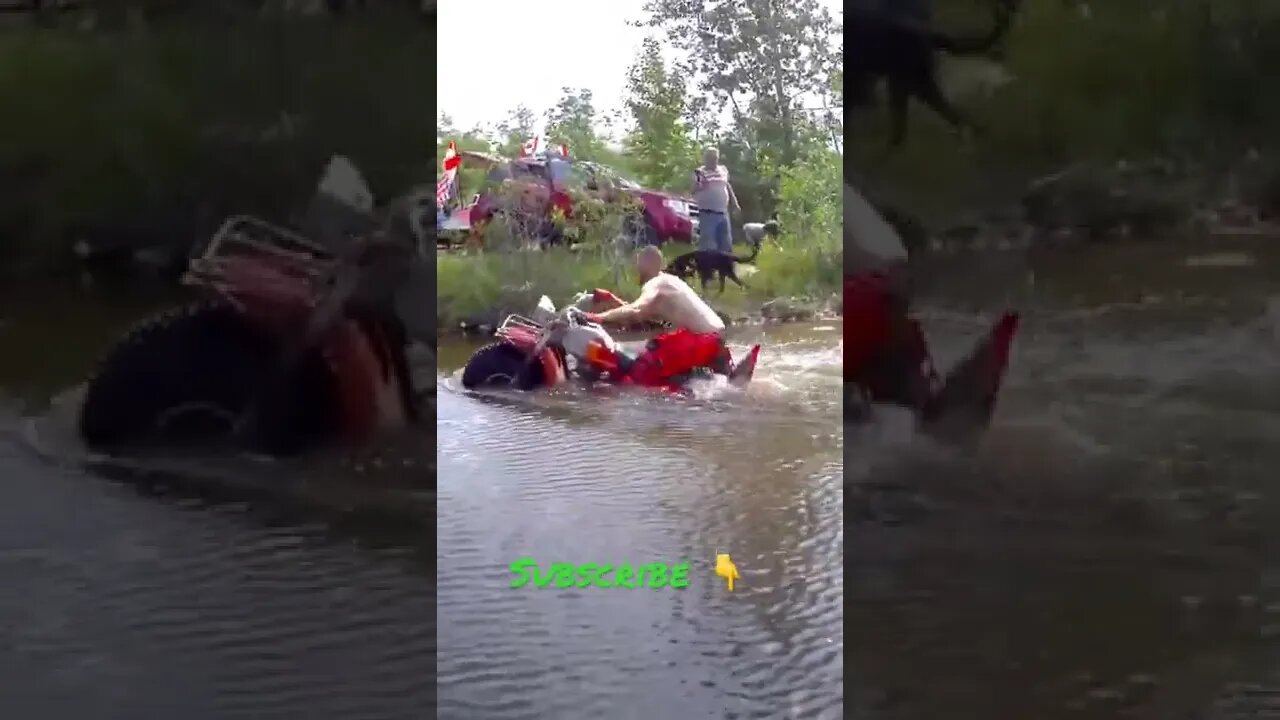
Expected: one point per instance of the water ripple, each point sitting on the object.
(116, 605)
(562, 477)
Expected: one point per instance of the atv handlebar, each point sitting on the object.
(576, 316)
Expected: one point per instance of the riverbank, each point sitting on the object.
(146, 137)
(788, 280)
(1099, 201)
(1070, 150)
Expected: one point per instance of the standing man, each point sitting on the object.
(713, 194)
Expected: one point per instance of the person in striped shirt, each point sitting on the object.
(713, 194)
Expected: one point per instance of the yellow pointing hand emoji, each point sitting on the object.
(726, 569)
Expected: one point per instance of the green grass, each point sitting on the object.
(798, 267)
(485, 285)
(804, 264)
(481, 285)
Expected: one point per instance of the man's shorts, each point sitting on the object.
(677, 353)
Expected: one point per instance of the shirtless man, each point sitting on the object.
(698, 337)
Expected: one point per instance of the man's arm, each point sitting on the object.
(733, 197)
(636, 311)
(607, 298)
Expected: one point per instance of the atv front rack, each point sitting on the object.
(520, 331)
(244, 237)
(518, 321)
(251, 262)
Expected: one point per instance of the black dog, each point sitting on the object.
(903, 54)
(710, 263)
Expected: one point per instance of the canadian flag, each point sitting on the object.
(448, 181)
(451, 159)
(529, 147)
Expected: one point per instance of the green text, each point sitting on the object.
(622, 575)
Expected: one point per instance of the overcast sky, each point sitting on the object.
(496, 54)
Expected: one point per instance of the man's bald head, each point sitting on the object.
(648, 263)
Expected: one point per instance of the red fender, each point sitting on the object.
(368, 399)
(552, 368)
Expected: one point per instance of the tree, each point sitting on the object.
(513, 131)
(661, 150)
(760, 57)
(571, 121)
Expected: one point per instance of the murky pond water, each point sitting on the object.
(1110, 550)
(572, 477)
(132, 599)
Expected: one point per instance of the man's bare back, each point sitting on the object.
(671, 300)
(663, 297)
(698, 338)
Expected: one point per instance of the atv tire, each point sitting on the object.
(190, 374)
(500, 364)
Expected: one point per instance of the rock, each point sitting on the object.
(1220, 260)
(1096, 201)
(149, 244)
(788, 309)
(1233, 213)
(483, 324)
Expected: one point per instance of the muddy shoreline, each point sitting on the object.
(1109, 202)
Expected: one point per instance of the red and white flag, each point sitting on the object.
(447, 183)
(451, 158)
(529, 148)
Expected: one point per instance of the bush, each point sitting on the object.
(1124, 79)
(485, 286)
(132, 127)
(809, 256)
(804, 262)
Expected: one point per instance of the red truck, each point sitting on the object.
(665, 217)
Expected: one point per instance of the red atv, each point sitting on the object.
(887, 360)
(550, 347)
(293, 346)
(663, 217)
(886, 357)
